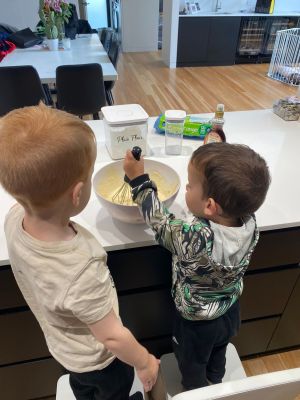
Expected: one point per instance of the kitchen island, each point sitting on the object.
(142, 270)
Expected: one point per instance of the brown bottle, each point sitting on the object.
(215, 135)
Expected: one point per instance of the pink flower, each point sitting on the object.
(56, 6)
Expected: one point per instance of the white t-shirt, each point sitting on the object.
(67, 285)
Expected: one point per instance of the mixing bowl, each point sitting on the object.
(111, 177)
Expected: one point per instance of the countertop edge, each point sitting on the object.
(240, 14)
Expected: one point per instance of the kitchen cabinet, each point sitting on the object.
(226, 40)
(205, 41)
(27, 369)
(287, 332)
(268, 286)
(269, 311)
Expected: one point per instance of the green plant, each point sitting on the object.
(53, 15)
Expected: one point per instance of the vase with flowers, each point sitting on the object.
(53, 15)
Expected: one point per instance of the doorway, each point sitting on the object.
(95, 12)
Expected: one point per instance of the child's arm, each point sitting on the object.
(180, 237)
(120, 341)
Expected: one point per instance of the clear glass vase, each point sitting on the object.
(61, 33)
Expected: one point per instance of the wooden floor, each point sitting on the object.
(144, 79)
(271, 363)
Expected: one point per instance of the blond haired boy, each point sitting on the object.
(46, 164)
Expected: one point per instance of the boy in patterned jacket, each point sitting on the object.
(227, 183)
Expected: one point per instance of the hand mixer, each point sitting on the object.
(123, 194)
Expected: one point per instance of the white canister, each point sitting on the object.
(125, 126)
(174, 126)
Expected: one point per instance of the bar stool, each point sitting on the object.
(172, 378)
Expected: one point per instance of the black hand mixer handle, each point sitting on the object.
(136, 152)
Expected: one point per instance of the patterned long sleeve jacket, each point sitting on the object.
(201, 287)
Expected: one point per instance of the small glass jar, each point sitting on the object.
(174, 124)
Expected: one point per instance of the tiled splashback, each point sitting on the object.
(243, 5)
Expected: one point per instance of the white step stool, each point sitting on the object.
(172, 378)
(281, 385)
(64, 391)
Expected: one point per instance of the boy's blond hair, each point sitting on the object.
(43, 152)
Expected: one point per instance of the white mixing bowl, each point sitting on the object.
(113, 174)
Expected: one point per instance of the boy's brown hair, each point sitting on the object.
(234, 175)
(43, 153)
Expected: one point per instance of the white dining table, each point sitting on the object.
(85, 49)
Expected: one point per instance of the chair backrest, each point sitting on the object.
(114, 50)
(282, 385)
(72, 25)
(103, 34)
(84, 27)
(113, 55)
(107, 40)
(80, 88)
(20, 86)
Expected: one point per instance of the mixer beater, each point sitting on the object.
(123, 194)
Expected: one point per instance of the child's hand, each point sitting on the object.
(148, 374)
(132, 167)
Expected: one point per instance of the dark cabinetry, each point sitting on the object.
(287, 332)
(207, 41)
(269, 310)
(27, 370)
(268, 304)
(226, 40)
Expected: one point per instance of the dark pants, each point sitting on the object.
(200, 347)
(111, 383)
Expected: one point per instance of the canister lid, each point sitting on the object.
(175, 115)
(124, 114)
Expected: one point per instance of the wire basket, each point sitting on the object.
(285, 62)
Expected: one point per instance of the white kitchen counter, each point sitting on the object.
(276, 140)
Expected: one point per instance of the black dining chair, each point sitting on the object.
(113, 55)
(103, 34)
(108, 39)
(20, 86)
(80, 89)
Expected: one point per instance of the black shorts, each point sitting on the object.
(111, 383)
(200, 347)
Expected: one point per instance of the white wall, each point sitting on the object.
(287, 5)
(97, 13)
(139, 25)
(21, 13)
(170, 32)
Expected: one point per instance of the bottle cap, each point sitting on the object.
(175, 115)
(220, 107)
